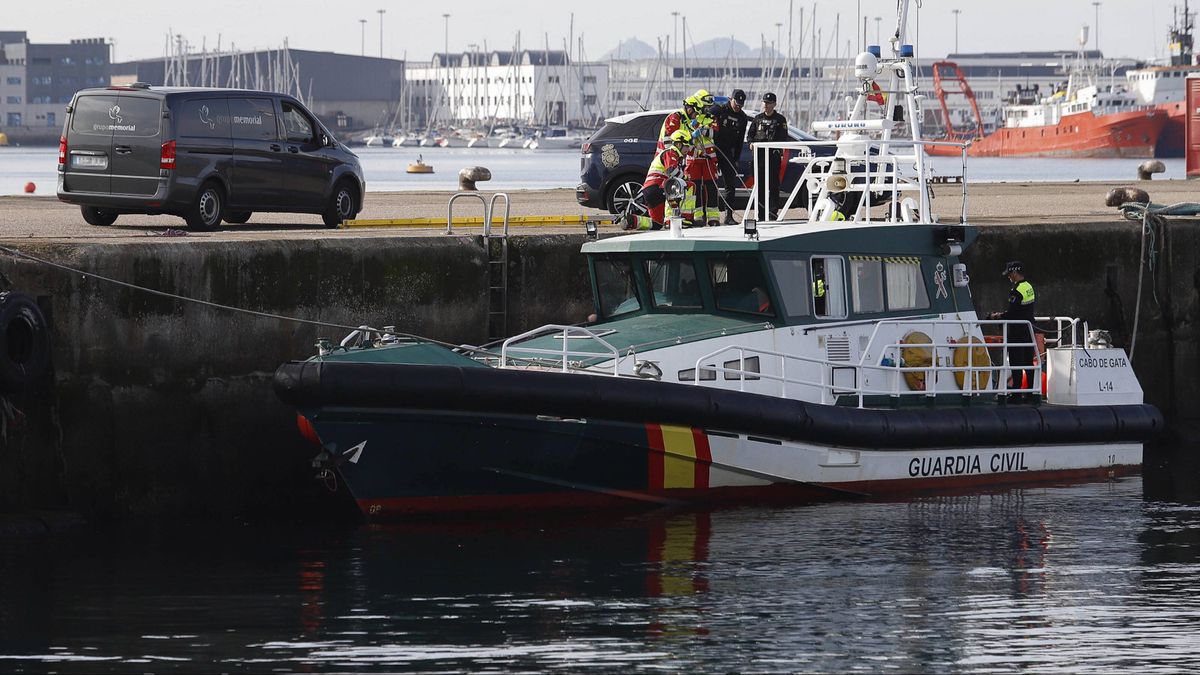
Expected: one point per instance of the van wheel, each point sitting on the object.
(205, 212)
(343, 205)
(237, 217)
(94, 216)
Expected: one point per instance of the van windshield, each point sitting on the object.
(106, 114)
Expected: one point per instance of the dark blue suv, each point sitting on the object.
(615, 160)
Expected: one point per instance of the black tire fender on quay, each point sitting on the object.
(24, 342)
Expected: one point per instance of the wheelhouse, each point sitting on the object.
(790, 279)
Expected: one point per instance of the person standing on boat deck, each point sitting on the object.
(767, 127)
(1021, 301)
(732, 121)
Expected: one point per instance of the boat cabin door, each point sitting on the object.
(828, 289)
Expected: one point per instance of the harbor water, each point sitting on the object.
(517, 169)
(1099, 577)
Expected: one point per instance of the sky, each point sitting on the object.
(415, 30)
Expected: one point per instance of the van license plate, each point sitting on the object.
(89, 161)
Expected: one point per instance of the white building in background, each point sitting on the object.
(538, 87)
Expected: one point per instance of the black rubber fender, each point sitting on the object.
(24, 342)
(314, 384)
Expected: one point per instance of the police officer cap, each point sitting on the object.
(769, 97)
(739, 96)
(1011, 266)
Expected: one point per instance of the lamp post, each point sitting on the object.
(381, 12)
(363, 25)
(956, 12)
(1097, 6)
(675, 37)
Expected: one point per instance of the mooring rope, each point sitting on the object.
(230, 308)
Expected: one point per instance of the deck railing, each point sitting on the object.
(885, 357)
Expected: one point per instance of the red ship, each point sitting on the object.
(1082, 122)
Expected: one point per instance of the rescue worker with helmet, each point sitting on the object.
(732, 121)
(701, 167)
(668, 164)
(768, 127)
(1021, 302)
(679, 119)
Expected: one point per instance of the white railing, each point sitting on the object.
(868, 166)
(562, 356)
(884, 356)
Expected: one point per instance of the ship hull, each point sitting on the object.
(1132, 134)
(409, 439)
(1173, 139)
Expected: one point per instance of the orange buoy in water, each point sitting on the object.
(30, 187)
(419, 166)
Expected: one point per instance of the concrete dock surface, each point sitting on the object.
(45, 218)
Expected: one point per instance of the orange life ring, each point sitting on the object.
(975, 355)
(916, 357)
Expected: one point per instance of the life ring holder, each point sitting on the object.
(24, 342)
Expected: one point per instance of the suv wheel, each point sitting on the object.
(624, 191)
(237, 217)
(205, 212)
(94, 216)
(342, 205)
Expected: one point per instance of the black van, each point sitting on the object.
(206, 155)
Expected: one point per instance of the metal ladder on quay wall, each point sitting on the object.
(495, 249)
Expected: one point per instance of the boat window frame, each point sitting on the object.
(630, 262)
(651, 293)
(783, 293)
(842, 286)
(764, 283)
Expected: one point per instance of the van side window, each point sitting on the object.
(299, 127)
(204, 118)
(253, 119)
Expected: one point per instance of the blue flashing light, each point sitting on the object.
(906, 51)
(874, 49)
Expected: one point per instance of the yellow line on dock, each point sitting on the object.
(497, 223)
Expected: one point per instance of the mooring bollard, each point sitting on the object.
(472, 174)
(1124, 195)
(1148, 168)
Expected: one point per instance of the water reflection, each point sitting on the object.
(1080, 578)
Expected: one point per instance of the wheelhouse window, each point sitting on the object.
(828, 287)
(791, 278)
(616, 288)
(739, 285)
(673, 284)
(905, 284)
(866, 284)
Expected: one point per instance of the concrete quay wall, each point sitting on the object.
(162, 408)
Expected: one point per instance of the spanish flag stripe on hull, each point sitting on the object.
(655, 458)
(683, 458)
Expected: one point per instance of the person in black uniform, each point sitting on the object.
(731, 135)
(769, 126)
(1021, 301)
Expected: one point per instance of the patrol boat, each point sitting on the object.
(834, 356)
